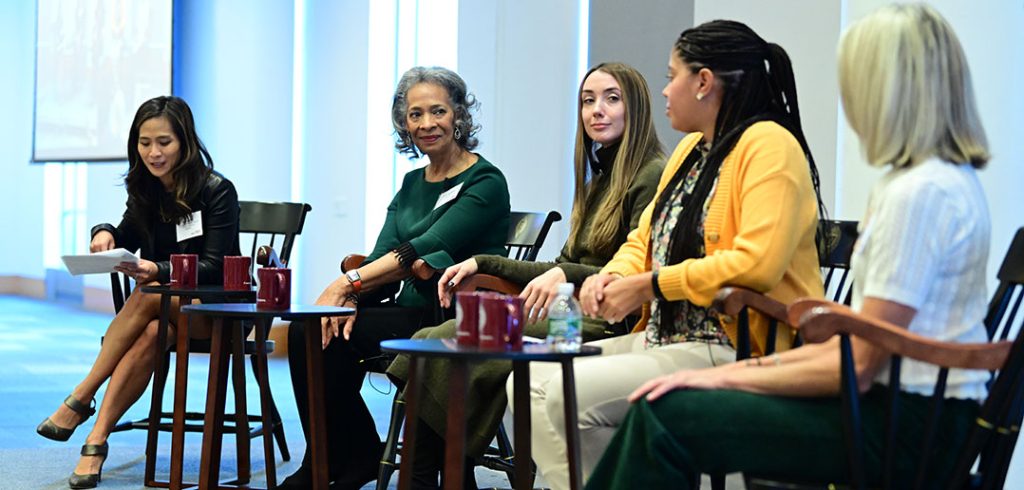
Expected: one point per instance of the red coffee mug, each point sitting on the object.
(493, 313)
(467, 316)
(184, 270)
(275, 288)
(514, 322)
(236, 273)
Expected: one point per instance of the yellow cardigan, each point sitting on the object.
(759, 231)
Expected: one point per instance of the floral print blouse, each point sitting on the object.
(694, 323)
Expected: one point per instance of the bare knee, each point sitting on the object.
(140, 303)
(143, 347)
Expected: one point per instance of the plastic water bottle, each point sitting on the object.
(564, 320)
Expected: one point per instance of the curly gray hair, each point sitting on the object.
(459, 98)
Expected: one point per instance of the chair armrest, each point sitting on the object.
(821, 322)
(731, 303)
(351, 262)
(490, 283)
(731, 299)
(267, 257)
(796, 309)
(420, 269)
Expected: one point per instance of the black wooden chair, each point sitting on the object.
(984, 460)
(835, 248)
(263, 223)
(526, 235)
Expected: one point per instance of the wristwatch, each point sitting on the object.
(355, 280)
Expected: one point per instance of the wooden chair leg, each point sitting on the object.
(506, 453)
(262, 329)
(412, 393)
(521, 401)
(209, 470)
(455, 435)
(282, 444)
(391, 444)
(241, 411)
(180, 394)
(160, 369)
(572, 429)
(387, 462)
(279, 426)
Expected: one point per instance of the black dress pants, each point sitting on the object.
(352, 439)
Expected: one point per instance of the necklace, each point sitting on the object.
(463, 162)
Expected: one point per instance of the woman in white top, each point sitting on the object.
(919, 263)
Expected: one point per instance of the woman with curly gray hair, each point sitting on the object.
(455, 207)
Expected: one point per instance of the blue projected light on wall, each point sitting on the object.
(96, 62)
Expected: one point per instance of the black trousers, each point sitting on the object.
(352, 437)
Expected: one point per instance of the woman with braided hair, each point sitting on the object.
(737, 204)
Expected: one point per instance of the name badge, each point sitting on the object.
(447, 196)
(191, 228)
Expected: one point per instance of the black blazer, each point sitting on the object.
(218, 202)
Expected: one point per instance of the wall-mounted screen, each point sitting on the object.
(96, 62)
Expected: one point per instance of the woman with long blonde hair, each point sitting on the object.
(919, 264)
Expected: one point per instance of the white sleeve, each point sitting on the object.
(909, 237)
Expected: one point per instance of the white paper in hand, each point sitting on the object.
(99, 262)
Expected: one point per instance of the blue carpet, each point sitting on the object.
(47, 348)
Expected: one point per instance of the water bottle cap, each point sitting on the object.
(566, 288)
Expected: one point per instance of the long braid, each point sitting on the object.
(758, 85)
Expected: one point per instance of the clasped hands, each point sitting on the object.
(612, 297)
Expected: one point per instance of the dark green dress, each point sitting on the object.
(486, 399)
(473, 203)
(443, 222)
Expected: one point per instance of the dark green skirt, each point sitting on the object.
(485, 398)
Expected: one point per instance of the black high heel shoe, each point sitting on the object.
(52, 431)
(93, 479)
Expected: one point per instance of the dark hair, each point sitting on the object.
(193, 167)
(459, 98)
(757, 85)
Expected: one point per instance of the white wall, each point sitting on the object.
(991, 35)
(235, 71)
(641, 34)
(520, 60)
(105, 198)
(335, 136)
(808, 30)
(22, 183)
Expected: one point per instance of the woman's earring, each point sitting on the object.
(458, 134)
(700, 95)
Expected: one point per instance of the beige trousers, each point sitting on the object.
(602, 385)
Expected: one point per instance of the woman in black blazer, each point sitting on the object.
(176, 204)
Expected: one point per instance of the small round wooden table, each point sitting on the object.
(460, 357)
(209, 471)
(206, 293)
